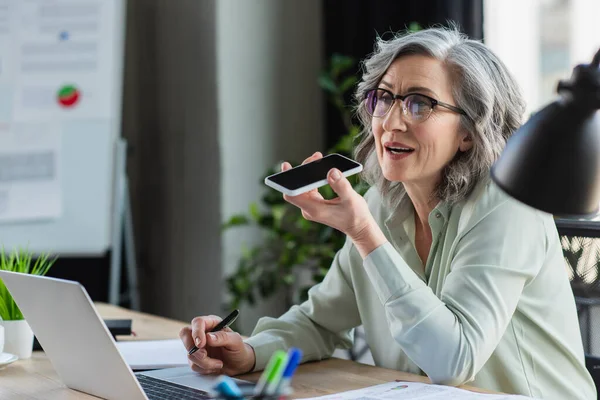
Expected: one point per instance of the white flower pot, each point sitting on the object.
(18, 338)
(1, 337)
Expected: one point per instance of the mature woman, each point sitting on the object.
(449, 276)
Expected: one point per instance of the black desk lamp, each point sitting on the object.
(552, 162)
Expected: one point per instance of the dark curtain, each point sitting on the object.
(351, 26)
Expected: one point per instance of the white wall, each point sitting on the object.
(268, 60)
(585, 34)
(511, 30)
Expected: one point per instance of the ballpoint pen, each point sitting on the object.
(272, 373)
(228, 320)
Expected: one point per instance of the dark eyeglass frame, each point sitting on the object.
(434, 103)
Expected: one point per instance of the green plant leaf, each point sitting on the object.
(20, 260)
(325, 234)
(266, 221)
(289, 279)
(272, 197)
(303, 224)
(348, 83)
(340, 64)
(4, 313)
(278, 214)
(266, 284)
(327, 192)
(354, 131)
(328, 84)
(414, 27)
(344, 145)
(254, 211)
(236, 220)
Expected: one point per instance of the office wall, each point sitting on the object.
(269, 57)
(172, 123)
(215, 92)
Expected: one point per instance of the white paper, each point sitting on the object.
(56, 45)
(6, 62)
(414, 390)
(30, 172)
(153, 354)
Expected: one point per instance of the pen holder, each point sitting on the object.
(254, 397)
(247, 390)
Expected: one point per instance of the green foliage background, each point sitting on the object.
(291, 242)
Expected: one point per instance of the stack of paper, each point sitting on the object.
(153, 354)
(414, 390)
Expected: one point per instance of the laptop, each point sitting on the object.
(82, 350)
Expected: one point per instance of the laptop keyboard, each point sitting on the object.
(158, 389)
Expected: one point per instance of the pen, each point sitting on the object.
(228, 320)
(294, 357)
(272, 372)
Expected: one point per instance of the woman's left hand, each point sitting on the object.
(347, 213)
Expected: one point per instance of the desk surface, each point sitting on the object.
(36, 379)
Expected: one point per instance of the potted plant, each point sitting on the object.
(18, 335)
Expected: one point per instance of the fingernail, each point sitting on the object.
(336, 175)
(220, 365)
(213, 336)
(197, 341)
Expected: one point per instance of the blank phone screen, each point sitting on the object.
(315, 171)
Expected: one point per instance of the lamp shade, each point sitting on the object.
(552, 162)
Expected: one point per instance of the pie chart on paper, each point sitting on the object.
(68, 96)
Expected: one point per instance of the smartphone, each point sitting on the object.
(312, 175)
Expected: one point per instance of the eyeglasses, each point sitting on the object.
(417, 107)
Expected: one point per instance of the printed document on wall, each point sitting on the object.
(30, 185)
(62, 59)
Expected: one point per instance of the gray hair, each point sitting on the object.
(481, 85)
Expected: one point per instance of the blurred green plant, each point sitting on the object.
(291, 243)
(20, 260)
(414, 27)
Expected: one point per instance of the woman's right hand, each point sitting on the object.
(222, 352)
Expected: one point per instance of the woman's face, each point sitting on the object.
(434, 141)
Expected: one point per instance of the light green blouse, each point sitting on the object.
(493, 307)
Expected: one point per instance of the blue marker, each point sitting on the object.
(227, 387)
(294, 358)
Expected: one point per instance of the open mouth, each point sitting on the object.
(399, 150)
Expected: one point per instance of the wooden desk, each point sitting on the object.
(35, 378)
